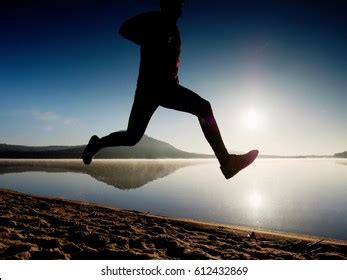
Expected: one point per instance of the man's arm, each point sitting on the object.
(135, 29)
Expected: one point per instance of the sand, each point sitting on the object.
(45, 228)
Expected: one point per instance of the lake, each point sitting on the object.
(295, 195)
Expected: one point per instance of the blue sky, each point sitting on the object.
(274, 72)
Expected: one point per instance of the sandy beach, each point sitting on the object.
(45, 228)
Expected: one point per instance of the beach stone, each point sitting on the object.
(230, 242)
(120, 227)
(175, 251)
(158, 230)
(71, 248)
(77, 236)
(180, 236)
(210, 250)
(86, 254)
(46, 242)
(163, 241)
(112, 246)
(17, 248)
(195, 255)
(135, 243)
(125, 255)
(24, 256)
(49, 255)
(121, 241)
(212, 237)
(8, 222)
(96, 241)
(6, 233)
(124, 233)
(43, 224)
(42, 205)
(329, 256)
(260, 255)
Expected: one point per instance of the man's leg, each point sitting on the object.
(140, 116)
(180, 98)
(141, 112)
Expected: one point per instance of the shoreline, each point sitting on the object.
(33, 227)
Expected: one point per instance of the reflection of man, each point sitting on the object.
(158, 36)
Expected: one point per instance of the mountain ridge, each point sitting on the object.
(147, 148)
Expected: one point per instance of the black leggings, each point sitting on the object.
(171, 96)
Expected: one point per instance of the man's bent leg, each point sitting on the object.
(141, 112)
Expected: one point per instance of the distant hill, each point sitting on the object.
(341, 155)
(147, 148)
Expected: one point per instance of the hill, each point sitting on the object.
(341, 155)
(147, 148)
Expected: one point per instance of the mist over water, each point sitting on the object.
(122, 174)
(303, 196)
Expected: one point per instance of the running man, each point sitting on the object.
(158, 85)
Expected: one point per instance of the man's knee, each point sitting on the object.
(133, 138)
(205, 109)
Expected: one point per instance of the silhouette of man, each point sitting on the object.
(158, 85)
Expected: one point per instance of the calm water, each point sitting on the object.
(303, 196)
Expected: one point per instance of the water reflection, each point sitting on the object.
(122, 174)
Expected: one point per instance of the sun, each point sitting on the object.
(251, 119)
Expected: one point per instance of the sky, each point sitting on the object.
(274, 71)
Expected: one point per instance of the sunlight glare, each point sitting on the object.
(251, 119)
(255, 200)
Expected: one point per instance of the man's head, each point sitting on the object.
(172, 8)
